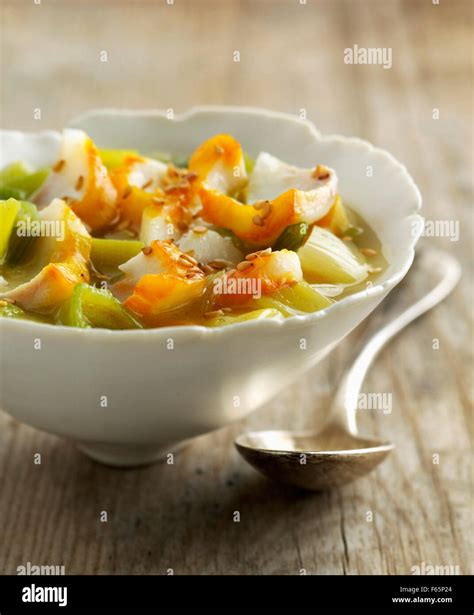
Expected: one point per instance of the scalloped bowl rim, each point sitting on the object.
(200, 330)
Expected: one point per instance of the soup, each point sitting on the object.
(120, 240)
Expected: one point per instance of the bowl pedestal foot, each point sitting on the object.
(126, 455)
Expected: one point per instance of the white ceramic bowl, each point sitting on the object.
(164, 386)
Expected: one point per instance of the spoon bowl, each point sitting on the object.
(315, 461)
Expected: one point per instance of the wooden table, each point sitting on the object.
(180, 517)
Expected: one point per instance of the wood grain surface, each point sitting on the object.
(180, 517)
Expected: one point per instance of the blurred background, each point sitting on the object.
(175, 55)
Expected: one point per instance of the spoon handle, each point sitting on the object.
(344, 408)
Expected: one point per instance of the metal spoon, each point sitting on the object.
(338, 454)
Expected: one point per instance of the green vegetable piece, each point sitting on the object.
(14, 171)
(18, 177)
(293, 237)
(269, 303)
(91, 307)
(21, 241)
(229, 319)
(108, 254)
(295, 299)
(326, 259)
(249, 163)
(15, 311)
(113, 158)
(8, 213)
(302, 297)
(31, 182)
(12, 193)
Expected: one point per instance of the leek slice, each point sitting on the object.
(92, 307)
(17, 177)
(302, 297)
(113, 158)
(21, 243)
(108, 254)
(8, 213)
(293, 237)
(269, 303)
(291, 300)
(330, 290)
(30, 182)
(229, 319)
(327, 259)
(249, 163)
(8, 310)
(12, 193)
(14, 171)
